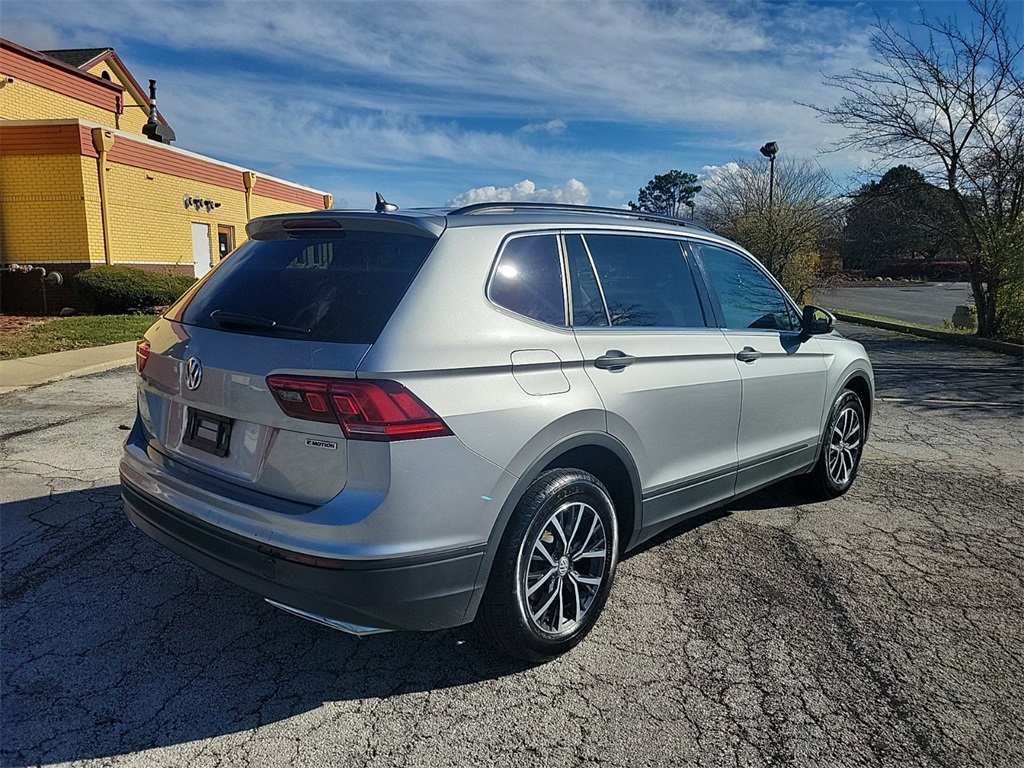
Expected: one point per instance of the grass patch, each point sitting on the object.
(73, 333)
(879, 318)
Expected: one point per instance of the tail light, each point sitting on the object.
(141, 355)
(366, 409)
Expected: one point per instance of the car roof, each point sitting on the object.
(512, 214)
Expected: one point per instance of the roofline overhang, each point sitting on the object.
(58, 64)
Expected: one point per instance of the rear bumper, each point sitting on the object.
(391, 593)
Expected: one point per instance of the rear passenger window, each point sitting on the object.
(747, 297)
(646, 281)
(528, 279)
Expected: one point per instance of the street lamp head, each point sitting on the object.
(770, 149)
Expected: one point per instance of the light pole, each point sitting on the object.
(769, 150)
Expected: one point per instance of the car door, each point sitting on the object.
(669, 383)
(783, 373)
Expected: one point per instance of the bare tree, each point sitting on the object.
(950, 97)
(784, 233)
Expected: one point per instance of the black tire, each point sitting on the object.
(548, 585)
(841, 449)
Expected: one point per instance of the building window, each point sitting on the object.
(225, 239)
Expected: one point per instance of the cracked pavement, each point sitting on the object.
(885, 628)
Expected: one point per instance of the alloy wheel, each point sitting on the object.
(566, 569)
(844, 446)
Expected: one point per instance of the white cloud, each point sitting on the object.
(712, 176)
(553, 127)
(573, 192)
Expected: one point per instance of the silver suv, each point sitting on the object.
(419, 419)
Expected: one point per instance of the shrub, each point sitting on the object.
(1011, 312)
(801, 274)
(109, 290)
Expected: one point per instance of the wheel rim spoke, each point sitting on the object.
(561, 623)
(558, 528)
(540, 611)
(539, 547)
(578, 612)
(575, 529)
(541, 581)
(583, 547)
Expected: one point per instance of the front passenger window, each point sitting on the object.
(747, 297)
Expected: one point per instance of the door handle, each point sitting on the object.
(614, 360)
(748, 355)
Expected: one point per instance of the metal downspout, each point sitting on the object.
(249, 180)
(103, 140)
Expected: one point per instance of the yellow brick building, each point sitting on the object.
(88, 177)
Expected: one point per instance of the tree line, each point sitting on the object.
(945, 106)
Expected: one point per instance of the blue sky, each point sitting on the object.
(432, 102)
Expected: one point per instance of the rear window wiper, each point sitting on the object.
(230, 319)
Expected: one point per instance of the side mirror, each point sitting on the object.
(817, 321)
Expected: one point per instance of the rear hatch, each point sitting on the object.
(306, 297)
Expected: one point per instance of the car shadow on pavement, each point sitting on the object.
(111, 645)
(784, 494)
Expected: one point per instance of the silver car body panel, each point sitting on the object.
(676, 409)
(783, 399)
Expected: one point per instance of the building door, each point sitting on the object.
(225, 240)
(201, 248)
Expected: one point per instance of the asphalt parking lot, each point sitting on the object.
(885, 628)
(927, 303)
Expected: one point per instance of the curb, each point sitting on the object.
(27, 372)
(1003, 347)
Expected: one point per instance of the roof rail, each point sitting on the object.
(512, 207)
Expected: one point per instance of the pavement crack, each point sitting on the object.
(813, 571)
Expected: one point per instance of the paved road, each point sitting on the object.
(882, 629)
(923, 303)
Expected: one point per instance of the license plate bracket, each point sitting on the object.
(208, 432)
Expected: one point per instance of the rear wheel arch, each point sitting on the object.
(597, 453)
(607, 466)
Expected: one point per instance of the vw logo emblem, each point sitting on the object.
(193, 373)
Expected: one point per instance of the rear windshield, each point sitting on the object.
(340, 288)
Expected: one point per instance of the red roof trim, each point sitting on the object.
(58, 139)
(46, 72)
(76, 138)
(285, 193)
(42, 58)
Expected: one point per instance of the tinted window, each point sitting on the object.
(747, 297)
(528, 279)
(587, 305)
(646, 281)
(342, 288)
